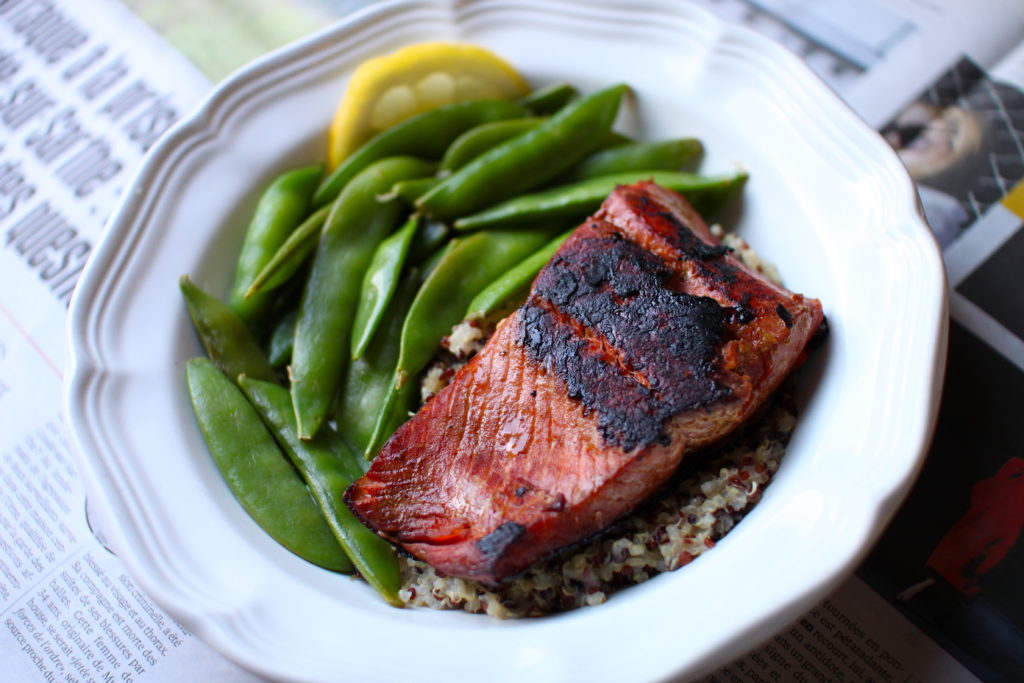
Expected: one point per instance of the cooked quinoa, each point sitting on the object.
(745, 253)
(699, 507)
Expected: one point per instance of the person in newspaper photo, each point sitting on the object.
(982, 537)
(933, 141)
(957, 141)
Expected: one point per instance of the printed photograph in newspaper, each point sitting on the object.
(961, 141)
(952, 559)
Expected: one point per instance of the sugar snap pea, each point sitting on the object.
(479, 139)
(291, 255)
(255, 469)
(411, 190)
(225, 336)
(274, 405)
(613, 138)
(658, 155)
(368, 378)
(327, 477)
(279, 210)
(279, 346)
(414, 188)
(511, 287)
(577, 200)
(357, 223)
(382, 416)
(391, 414)
(425, 135)
(550, 98)
(379, 283)
(469, 266)
(528, 160)
(427, 240)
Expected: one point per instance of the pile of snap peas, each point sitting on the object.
(347, 282)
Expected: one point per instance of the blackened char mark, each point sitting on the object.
(706, 259)
(682, 237)
(632, 350)
(783, 312)
(494, 545)
(627, 411)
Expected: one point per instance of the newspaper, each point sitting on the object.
(79, 106)
(938, 598)
(85, 89)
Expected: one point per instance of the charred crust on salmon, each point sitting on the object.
(784, 314)
(633, 351)
(494, 545)
(741, 314)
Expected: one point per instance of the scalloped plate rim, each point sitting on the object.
(87, 368)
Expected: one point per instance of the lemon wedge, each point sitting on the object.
(388, 89)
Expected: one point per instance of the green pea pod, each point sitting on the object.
(256, 471)
(577, 200)
(380, 282)
(291, 255)
(425, 243)
(550, 98)
(369, 378)
(478, 140)
(611, 139)
(471, 264)
(279, 348)
(411, 190)
(528, 160)
(667, 155)
(512, 286)
(357, 223)
(224, 335)
(384, 415)
(274, 405)
(280, 209)
(353, 466)
(327, 477)
(392, 413)
(425, 135)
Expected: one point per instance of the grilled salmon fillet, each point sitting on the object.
(642, 340)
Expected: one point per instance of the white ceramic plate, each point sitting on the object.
(827, 201)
